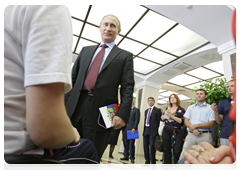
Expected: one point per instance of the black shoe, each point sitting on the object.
(161, 167)
(124, 158)
(111, 157)
(161, 160)
(145, 165)
(132, 161)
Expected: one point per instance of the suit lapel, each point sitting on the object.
(86, 59)
(114, 52)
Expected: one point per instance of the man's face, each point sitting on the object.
(200, 96)
(151, 102)
(109, 29)
(231, 87)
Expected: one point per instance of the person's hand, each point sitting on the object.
(196, 132)
(133, 131)
(162, 117)
(117, 122)
(192, 127)
(171, 116)
(77, 136)
(206, 154)
(214, 107)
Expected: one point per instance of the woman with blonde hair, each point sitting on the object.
(172, 132)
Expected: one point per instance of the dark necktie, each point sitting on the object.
(94, 69)
(148, 116)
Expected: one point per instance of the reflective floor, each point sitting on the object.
(139, 159)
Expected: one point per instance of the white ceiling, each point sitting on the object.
(163, 38)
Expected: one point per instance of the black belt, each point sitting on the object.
(208, 131)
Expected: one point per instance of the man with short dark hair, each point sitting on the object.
(96, 76)
(132, 125)
(199, 119)
(221, 115)
(151, 124)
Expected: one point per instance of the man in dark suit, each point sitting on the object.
(151, 124)
(132, 125)
(96, 81)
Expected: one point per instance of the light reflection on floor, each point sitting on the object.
(139, 159)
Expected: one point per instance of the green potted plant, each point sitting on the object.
(216, 88)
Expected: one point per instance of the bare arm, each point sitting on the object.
(218, 117)
(46, 119)
(177, 119)
(187, 123)
(207, 125)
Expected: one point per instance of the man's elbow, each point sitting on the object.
(219, 121)
(211, 124)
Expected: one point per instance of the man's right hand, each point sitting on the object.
(196, 132)
(214, 107)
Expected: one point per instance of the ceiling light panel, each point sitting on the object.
(82, 43)
(216, 66)
(151, 27)
(179, 41)
(157, 56)
(162, 102)
(74, 42)
(214, 80)
(118, 39)
(131, 46)
(193, 86)
(203, 73)
(183, 80)
(161, 90)
(144, 66)
(167, 94)
(76, 26)
(78, 11)
(127, 14)
(92, 33)
(164, 99)
(183, 97)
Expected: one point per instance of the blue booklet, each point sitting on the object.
(130, 135)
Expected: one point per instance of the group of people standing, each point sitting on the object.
(184, 129)
(39, 120)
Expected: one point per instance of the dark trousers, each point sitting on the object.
(83, 152)
(167, 143)
(128, 146)
(81, 120)
(149, 141)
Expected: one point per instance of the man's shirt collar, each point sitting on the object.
(110, 45)
(204, 104)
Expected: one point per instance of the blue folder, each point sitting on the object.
(132, 136)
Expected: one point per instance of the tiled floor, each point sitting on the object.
(139, 159)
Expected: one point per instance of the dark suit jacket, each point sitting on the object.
(133, 119)
(117, 70)
(154, 121)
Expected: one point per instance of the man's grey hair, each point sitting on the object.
(119, 24)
